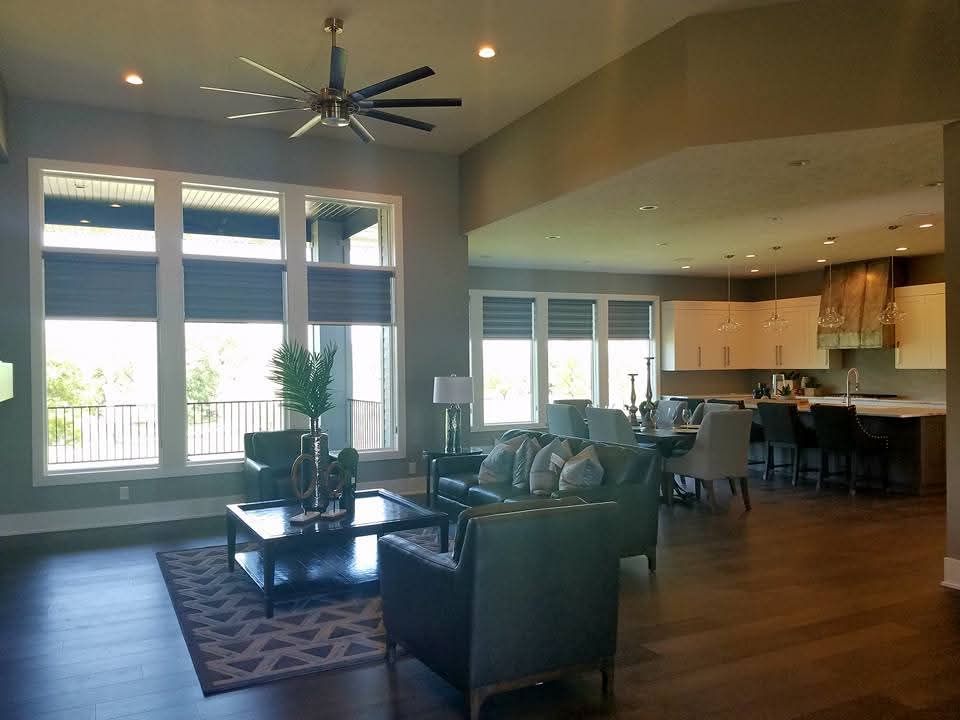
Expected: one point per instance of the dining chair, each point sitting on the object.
(720, 452)
(609, 426)
(668, 412)
(840, 433)
(581, 404)
(782, 429)
(563, 419)
(708, 407)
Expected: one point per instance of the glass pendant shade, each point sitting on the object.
(891, 313)
(729, 325)
(776, 322)
(832, 318)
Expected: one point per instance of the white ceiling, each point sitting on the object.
(739, 198)
(78, 51)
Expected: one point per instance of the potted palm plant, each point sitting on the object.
(303, 380)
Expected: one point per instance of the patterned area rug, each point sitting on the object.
(233, 645)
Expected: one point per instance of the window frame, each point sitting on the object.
(541, 362)
(171, 360)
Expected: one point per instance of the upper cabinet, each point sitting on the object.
(691, 341)
(922, 333)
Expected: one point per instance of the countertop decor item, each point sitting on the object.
(632, 407)
(303, 379)
(6, 381)
(453, 391)
(729, 325)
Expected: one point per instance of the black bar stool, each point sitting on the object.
(840, 433)
(782, 428)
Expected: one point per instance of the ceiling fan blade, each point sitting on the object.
(398, 119)
(268, 71)
(306, 126)
(394, 82)
(411, 102)
(265, 112)
(338, 67)
(250, 92)
(360, 130)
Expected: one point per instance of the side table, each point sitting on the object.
(431, 455)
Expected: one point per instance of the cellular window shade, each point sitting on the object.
(570, 319)
(346, 296)
(232, 291)
(95, 286)
(629, 319)
(506, 318)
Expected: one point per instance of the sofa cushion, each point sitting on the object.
(497, 467)
(583, 470)
(545, 471)
(497, 508)
(456, 485)
(493, 493)
(523, 461)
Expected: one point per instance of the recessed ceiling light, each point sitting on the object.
(115, 205)
(646, 208)
(662, 244)
(830, 240)
(774, 218)
(821, 260)
(486, 52)
(133, 79)
(754, 270)
(901, 249)
(552, 237)
(751, 255)
(798, 163)
(935, 183)
(924, 226)
(684, 267)
(84, 221)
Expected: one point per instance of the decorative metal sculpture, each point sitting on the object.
(326, 483)
(648, 408)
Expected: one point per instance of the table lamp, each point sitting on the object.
(452, 391)
(6, 381)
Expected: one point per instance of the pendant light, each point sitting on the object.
(832, 318)
(729, 325)
(891, 314)
(776, 322)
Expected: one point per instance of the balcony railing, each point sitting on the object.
(128, 434)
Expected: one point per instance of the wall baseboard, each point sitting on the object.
(951, 573)
(143, 513)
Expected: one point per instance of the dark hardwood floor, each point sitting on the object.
(813, 607)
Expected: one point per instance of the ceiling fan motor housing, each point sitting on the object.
(334, 111)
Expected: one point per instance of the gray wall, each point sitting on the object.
(435, 260)
(951, 205)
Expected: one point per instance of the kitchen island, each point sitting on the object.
(916, 433)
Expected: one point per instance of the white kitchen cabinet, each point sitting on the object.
(922, 333)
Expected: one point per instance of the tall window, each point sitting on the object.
(157, 343)
(100, 327)
(508, 360)
(570, 348)
(630, 343)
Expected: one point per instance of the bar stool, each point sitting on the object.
(840, 433)
(782, 428)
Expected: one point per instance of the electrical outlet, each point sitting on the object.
(412, 467)
(124, 492)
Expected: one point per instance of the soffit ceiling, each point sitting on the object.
(78, 52)
(739, 198)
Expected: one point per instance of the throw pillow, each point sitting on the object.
(545, 471)
(582, 470)
(497, 467)
(523, 461)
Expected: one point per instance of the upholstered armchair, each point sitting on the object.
(267, 463)
(493, 615)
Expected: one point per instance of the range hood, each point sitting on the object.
(859, 293)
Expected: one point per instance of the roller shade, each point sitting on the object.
(232, 291)
(81, 285)
(570, 319)
(629, 319)
(507, 317)
(345, 296)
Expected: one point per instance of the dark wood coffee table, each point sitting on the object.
(299, 548)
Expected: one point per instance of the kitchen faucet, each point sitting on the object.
(852, 371)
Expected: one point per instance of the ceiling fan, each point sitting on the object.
(333, 106)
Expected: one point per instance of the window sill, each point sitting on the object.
(131, 474)
(503, 427)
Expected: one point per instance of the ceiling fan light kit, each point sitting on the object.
(333, 106)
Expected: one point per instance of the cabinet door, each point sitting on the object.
(740, 344)
(913, 333)
(712, 342)
(795, 340)
(686, 340)
(937, 322)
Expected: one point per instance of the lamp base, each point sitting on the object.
(452, 442)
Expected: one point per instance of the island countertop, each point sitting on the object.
(897, 409)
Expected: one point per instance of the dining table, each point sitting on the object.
(669, 442)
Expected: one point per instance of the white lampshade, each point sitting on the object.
(452, 390)
(6, 381)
